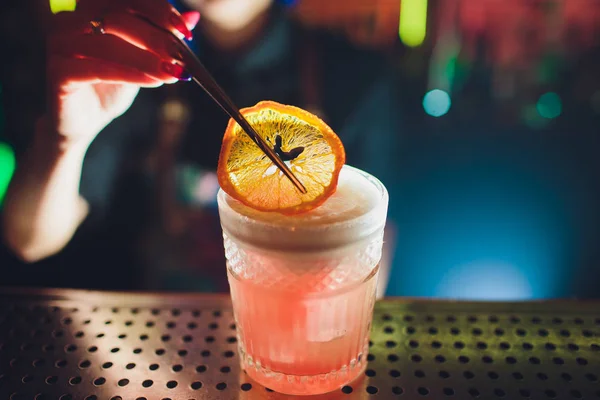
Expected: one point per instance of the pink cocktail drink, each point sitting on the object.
(303, 287)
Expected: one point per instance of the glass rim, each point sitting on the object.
(383, 198)
(289, 236)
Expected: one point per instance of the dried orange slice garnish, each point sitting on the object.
(310, 148)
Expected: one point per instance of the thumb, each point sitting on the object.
(191, 19)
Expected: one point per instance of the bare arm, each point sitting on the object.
(43, 208)
(92, 80)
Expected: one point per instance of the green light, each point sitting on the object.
(57, 6)
(549, 105)
(7, 167)
(532, 117)
(436, 102)
(413, 22)
(549, 68)
(450, 70)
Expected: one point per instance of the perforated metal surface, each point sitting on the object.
(84, 345)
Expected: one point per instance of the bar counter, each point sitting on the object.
(72, 344)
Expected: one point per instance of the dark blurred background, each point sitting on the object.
(481, 117)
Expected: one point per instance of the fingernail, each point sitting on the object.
(179, 24)
(191, 19)
(176, 71)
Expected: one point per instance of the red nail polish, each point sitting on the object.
(179, 24)
(176, 71)
(191, 19)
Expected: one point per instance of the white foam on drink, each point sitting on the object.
(355, 196)
(353, 212)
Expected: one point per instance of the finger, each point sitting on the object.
(141, 34)
(83, 70)
(70, 23)
(111, 49)
(161, 13)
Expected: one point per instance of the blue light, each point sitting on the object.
(485, 280)
(481, 229)
(436, 102)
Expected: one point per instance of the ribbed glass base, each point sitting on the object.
(304, 384)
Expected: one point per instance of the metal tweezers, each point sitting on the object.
(204, 79)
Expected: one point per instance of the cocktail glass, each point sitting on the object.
(303, 286)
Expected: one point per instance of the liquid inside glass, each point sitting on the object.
(303, 287)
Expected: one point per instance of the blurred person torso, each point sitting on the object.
(149, 176)
(486, 137)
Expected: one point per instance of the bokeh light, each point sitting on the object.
(474, 225)
(413, 22)
(57, 6)
(436, 102)
(532, 118)
(487, 280)
(549, 105)
(7, 168)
